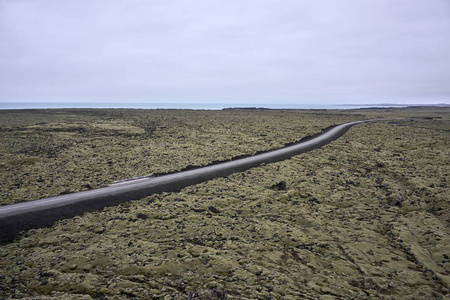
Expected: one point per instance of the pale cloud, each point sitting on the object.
(249, 51)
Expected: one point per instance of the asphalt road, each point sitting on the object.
(41, 213)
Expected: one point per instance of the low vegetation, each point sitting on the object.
(365, 217)
(50, 152)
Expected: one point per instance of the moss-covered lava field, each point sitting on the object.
(365, 217)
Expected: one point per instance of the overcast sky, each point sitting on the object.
(249, 51)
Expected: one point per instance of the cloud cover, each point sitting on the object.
(257, 51)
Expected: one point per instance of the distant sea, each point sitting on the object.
(206, 106)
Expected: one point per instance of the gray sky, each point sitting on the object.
(252, 51)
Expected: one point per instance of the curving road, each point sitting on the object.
(41, 213)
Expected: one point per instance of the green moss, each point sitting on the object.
(338, 230)
(24, 161)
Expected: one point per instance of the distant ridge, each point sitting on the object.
(378, 105)
(246, 108)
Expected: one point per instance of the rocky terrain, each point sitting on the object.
(365, 217)
(50, 152)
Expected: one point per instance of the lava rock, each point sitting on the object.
(213, 209)
(396, 202)
(280, 186)
(142, 216)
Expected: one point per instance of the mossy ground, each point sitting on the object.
(365, 217)
(50, 152)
